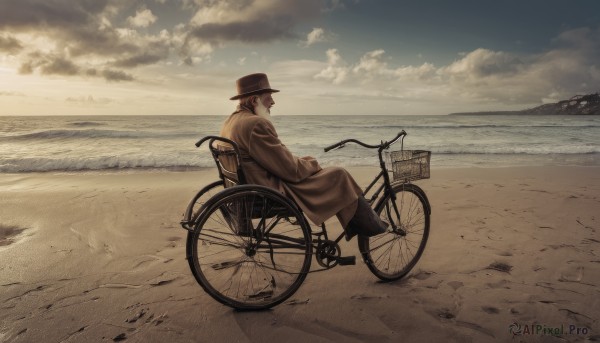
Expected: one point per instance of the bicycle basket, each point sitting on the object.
(410, 165)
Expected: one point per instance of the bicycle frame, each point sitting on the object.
(386, 187)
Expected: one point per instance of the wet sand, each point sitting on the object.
(101, 257)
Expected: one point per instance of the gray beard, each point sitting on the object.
(262, 111)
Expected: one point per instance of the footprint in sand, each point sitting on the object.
(490, 309)
(163, 282)
(9, 234)
(589, 241)
(422, 275)
(297, 302)
(572, 275)
(500, 266)
(561, 246)
(504, 284)
(367, 297)
(445, 313)
(120, 337)
(455, 284)
(138, 315)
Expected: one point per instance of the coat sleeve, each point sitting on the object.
(266, 149)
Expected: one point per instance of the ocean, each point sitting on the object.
(129, 143)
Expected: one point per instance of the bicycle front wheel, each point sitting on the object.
(251, 248)
(392, 255)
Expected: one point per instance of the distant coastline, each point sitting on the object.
(485, 113)
(588, 104)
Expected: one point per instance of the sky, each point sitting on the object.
(328, 57)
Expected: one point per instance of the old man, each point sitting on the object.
(320, 192)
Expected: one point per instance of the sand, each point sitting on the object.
(91, 257)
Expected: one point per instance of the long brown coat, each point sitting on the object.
(320, 192)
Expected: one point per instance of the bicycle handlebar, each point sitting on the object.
(383, 145)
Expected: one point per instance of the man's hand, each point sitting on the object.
(313, 161)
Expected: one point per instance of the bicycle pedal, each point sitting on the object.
(346, 261)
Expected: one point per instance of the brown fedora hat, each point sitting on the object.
(253, 84)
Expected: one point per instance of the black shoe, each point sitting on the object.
(365, 221)
(349, 232)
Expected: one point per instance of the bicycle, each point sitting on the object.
(250, 248)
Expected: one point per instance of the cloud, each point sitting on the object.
(481, 63)
(142, 18)
(371, 67)
(336, 70)
(579, 38)
(371, 63)
(6, 93)
(565, 69)
(243, 31)
(88, 100)
(77, 36)
(250, 21)
(137, 60)
(332, 5)
(111, 35)
(317, 35)
(255, 11)
(116, 75)
(477, 77)
(49, 64)
(59, 66)
(424, 71)
(36, 14)
(10, 45)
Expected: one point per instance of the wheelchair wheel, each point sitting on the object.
(250, 248)
(195, 206)
(392, 255)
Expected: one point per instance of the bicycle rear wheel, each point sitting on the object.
(390, 256)
(251, 248)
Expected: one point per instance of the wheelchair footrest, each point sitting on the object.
(346, 261)
(186, 225)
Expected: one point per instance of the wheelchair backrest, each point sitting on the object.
(227, 157)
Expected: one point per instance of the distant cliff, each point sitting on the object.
(578, 105)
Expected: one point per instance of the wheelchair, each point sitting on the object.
(248, 246)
